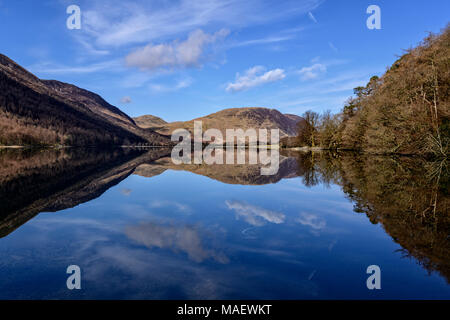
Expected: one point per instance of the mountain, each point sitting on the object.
(233, 118)
(49, 112)
(93, 101)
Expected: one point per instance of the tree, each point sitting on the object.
(328, 127)
(307, 129)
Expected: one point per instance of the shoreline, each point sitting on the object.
(360, 152)
(12, 147)
(307, 149)
(270, 147)
(65, 147)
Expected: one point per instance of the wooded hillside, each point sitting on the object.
(406, 111)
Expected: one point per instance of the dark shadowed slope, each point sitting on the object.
(38, 112)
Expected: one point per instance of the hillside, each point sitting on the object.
(48, 112)
(405, 111)
(233, 118)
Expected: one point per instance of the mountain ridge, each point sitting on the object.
(49, 112)
(41, 112)
(230, 118)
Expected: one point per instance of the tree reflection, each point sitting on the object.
(408, 196)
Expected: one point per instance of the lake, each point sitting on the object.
(141, 227)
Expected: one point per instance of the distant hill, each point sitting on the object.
(49, 112)
(149, 122)
(233, 118)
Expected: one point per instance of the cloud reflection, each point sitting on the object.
(311, 220)
(176, 238)
(164, 203)
(254, 215)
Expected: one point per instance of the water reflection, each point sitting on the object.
(176, 238)
(311, 220)
(254, 215)
(33, 181)
(159, 226)
(409, 197)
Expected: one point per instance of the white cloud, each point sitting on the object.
(136, 79)
(117, 23)
(253, 215)
(51, 68)
(332, 47)
(333, 83)
(263, 41)
(188, 53)
(313, 71)
(181, 84)
(88, 47)
(255, 77)
(125, 100)
(335, 89)
(311, 16)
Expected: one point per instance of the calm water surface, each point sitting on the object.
(140, 227)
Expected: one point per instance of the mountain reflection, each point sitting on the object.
(407, 196)
(34, 181)
(243, 174)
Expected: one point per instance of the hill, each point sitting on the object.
(233, 118)
(405, 111)
(49, 112)
(149, 122)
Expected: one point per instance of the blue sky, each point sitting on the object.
(184, 59)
